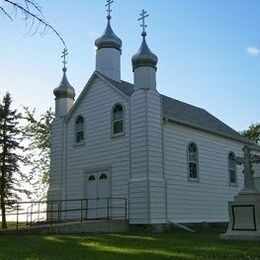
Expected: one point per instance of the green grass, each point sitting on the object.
(13, 225)
(204, 244)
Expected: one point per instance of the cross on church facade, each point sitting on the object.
(247, 160)
(64, 57)
(143, 15)
(109, 10)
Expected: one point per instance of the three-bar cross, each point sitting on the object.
(247, 161)
(109, 10)
(143, 15)
(64, 56)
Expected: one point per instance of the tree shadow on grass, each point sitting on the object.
(133, 245)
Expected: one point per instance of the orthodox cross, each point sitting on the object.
(109, 10)
(64, 57)
(143, 15)
(247, 160)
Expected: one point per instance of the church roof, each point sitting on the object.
(186, 114)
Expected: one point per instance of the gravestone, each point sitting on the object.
(244, 211)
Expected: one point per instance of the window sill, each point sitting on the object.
(117, 135)
(233, 184)
(79, 144)
(193, 179)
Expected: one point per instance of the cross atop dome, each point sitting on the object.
(64, 58)
(109, 10)
(143, 15)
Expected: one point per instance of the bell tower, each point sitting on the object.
(108, 54)
(147, 184)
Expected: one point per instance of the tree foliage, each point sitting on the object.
(31, 13)
(11, 157)
(38, 133)
(253, 133)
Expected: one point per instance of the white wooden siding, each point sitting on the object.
(99, 149)
(147, 185)
(207, 199)
(55, 188)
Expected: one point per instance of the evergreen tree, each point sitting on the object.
(11, 157)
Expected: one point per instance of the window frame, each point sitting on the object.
(189, 161)
(113, 121)
(229, 170)
(76, 131)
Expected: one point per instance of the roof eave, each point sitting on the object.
(95, 75)
(242, 140)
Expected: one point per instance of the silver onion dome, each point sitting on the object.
(108, 39)
(64, 90)
(144, 56)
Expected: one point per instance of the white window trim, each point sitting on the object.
(75, 131)
(114, 121)
(234, 184)
(188, 163)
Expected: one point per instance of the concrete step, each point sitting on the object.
(87, 226)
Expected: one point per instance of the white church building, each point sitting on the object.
(170, 161)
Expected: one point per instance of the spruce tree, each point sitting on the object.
(11, 157)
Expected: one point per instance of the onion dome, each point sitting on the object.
(144, 56)
(108, 39)
(64, 90)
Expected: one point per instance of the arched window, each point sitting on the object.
(117, 120)
(91, 178)
(193, 162)
(79, 129)
(103, 176)
(232, 169)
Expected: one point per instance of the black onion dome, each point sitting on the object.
(108, 39)
(64, 90)
(144, 56)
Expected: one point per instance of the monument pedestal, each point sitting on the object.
(244, 217)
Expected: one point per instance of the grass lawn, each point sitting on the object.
(204, 244)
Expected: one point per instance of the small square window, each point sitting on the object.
(118, 127)
(193, 170)
(79, 137)
(232, 175)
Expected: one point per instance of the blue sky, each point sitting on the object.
(209, 52)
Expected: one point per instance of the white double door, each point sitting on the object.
(97, 195)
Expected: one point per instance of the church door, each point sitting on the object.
(97, 193)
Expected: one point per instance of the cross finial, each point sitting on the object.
(64, 57)
(143, 15)
(109, 10)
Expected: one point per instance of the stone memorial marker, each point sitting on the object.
(244, 211)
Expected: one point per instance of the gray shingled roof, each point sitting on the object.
(186, 114)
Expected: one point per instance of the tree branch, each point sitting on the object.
(28, 13)
(3, 10)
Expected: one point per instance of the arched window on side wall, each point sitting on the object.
(193, 167)
(232, 169)
(79, 130)
(117, 120)
(103, 176)
(91, 178)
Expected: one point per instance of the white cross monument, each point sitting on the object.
(244, 211)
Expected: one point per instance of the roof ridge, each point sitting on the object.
(185, 113)
(185, 103)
